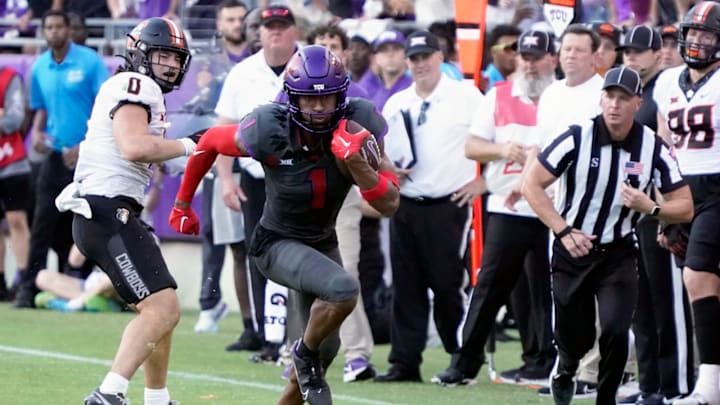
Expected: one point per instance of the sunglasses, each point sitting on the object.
(507, 48)
(275, 12)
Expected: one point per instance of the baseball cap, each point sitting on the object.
(388, 37)
(421, 42)
(536, 43)
(642, 38)
(624, 78)
(276, 13)
(669, 31)
(607, 30)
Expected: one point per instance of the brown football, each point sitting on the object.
(369, 149)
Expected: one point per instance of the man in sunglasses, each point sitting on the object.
(502, 52)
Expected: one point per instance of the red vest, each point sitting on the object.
(12, 147)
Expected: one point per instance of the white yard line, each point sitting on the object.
(177, 374)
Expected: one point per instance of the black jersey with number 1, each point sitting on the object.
(305, 187)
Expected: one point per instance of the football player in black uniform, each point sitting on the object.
(311, 158)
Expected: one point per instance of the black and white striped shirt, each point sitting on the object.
(591, 168)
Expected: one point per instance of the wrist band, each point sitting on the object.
(188, 144)
(565, 232)
(390, 176)
(376, 192)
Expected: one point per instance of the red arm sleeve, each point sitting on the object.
(215, 141)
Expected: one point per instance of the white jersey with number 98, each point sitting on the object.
(101, 170)
(692, 114)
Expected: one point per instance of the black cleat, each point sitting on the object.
(98, 398)
(248, 341)
(562, 388)
(311, 378)
(269, 354)
(451, 378)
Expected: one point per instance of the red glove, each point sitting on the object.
(184, 220)
(345, 141)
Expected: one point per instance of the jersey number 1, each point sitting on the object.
(318, 182)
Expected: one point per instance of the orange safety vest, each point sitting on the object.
(12, 147)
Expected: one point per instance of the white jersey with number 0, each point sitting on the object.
(693, 117)
(101, 170)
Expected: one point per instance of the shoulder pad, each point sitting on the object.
(134, 88)
(265, 133)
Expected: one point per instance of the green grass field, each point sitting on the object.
(47, 357)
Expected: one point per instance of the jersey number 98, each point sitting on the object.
(692, 128)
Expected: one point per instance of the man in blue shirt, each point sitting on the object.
(63, 83)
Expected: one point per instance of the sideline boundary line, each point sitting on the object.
(178, 374)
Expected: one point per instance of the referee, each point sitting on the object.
(606, 166)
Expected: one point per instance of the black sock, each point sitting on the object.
(248, 324)
(707, 331)
(304, 351)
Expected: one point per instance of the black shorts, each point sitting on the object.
(123, 246)
(703, 251)
(15, 192)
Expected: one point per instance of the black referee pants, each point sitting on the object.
(50, 228)
(252, 211)
(609, 275)
(213, 256)
(505, 258)
(427, 240)
(663, 319)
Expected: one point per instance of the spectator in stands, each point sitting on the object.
(433, 198)
(14, 170)
(445, 31)
(670, 53)
(78, 29)
(607, 56)
(501, 42)
(358, 57)
(87, 9)
(200, 15)
(64, 81)
(143, 9)
(391, 75)
(251, 32)
(310, 14)
(254, 81)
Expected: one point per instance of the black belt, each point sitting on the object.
(624, 242)
(421, 200)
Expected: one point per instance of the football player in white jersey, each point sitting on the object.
(124, 138)
(688, 114)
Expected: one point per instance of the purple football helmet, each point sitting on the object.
(315, 71)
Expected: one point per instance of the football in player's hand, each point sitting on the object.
(369, 148)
